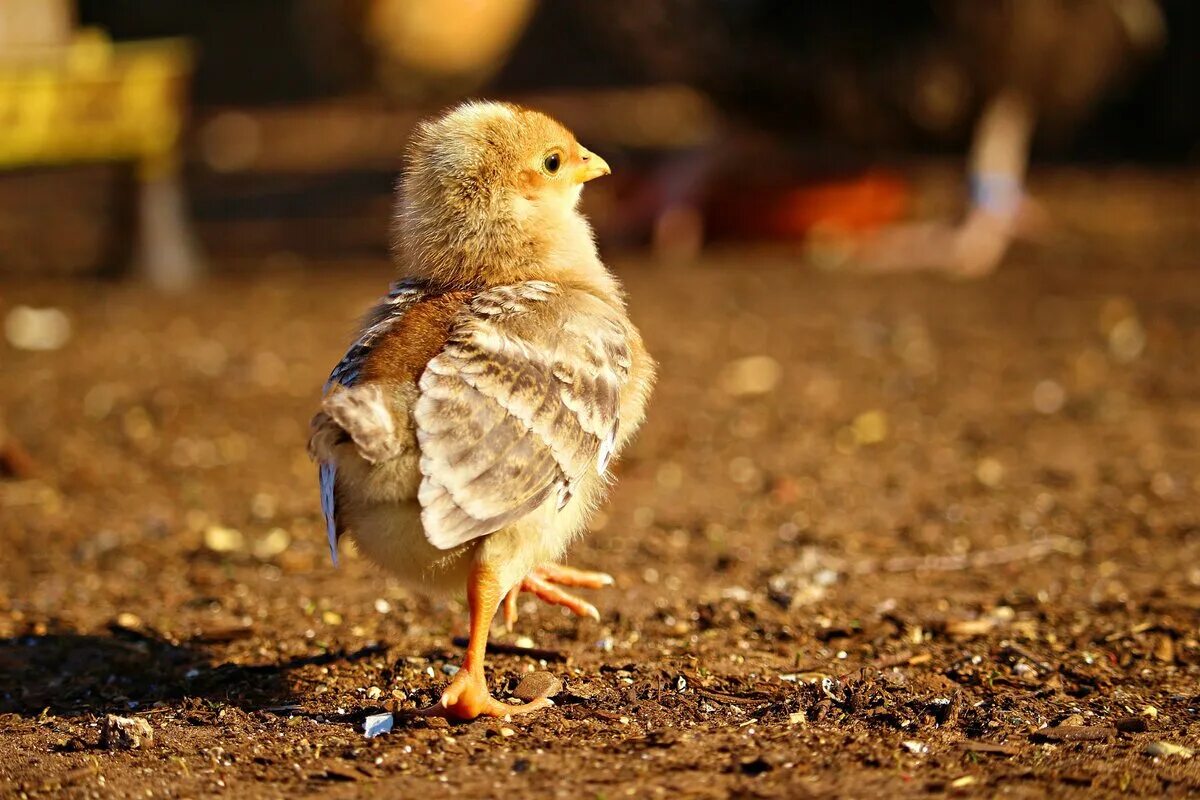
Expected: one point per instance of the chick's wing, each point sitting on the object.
(325, 431)
(520, 404)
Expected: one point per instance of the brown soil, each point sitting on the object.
(965, 511)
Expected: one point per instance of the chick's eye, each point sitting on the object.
(552, 163)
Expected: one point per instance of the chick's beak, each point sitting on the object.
(590, 166)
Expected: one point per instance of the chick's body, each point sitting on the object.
(466, 435)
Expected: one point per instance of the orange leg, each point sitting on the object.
(543, 583)
(467, 696)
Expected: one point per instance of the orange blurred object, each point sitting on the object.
(854, 205)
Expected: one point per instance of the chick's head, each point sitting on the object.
(490, 193)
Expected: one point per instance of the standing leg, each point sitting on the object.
(467, 695)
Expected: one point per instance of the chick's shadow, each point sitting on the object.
(69, 674)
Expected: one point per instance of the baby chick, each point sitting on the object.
(466, 435)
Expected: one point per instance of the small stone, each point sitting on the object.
(374, 693)
(37, 329)
(1167, 749)
(870, 427)
(1048, 397)
(915, 747)
(1132, 725)
(753, 375)
(128, 620)
(536, 685)
(507, 732)
(220, 539)
(126, 733)
(970, 627)
(1164, 649)
(274, 543)
(989, 472)
(1127, 340)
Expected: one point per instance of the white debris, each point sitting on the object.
(377, 725)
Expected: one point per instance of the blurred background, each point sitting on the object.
(923, 278)
(257, 134)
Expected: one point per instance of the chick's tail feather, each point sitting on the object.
(327, 474)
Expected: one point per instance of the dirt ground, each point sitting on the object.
(876, 536)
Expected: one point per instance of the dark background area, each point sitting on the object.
(771, 61)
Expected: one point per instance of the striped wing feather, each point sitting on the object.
(518, 406)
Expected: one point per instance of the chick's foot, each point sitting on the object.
(467, 695)
(544, 583)
(467, 698)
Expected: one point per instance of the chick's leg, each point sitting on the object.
(543, 583)
(467, 695)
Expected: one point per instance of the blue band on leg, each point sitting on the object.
(997, 193)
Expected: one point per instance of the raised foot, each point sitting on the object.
(467, 698)
(544, 583)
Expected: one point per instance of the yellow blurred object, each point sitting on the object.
(92, 100)
(432, 41)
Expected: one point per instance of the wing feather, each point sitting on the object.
(520, 404)
(346, 373)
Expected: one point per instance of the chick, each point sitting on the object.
(466, 435)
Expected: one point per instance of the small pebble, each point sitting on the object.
(37, 329)
(1132, 725)
(220, 539)
(275, 542)
(753, 375)
(126, 733)
(1167, 749)
(870, 427)
(989, 472)
(1048, 397)
(127, 620)
(537, 685)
